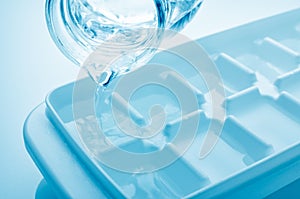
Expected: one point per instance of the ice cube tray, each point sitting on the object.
(259, 149)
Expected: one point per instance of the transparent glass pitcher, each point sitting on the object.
(78, 27)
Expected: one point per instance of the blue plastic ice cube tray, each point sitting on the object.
(259, 149)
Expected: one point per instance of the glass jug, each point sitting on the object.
(78, 27)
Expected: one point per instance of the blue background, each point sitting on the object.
(31, 66)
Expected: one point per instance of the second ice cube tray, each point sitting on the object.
(259, 148)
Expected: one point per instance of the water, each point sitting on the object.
(101, 20)
(125, 34)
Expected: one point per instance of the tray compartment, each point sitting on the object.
(267, 118)
(182, 178)
(281, 56)
(245, 141)
(236, 76)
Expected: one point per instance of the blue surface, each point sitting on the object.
(32, 66)
(258, 152)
